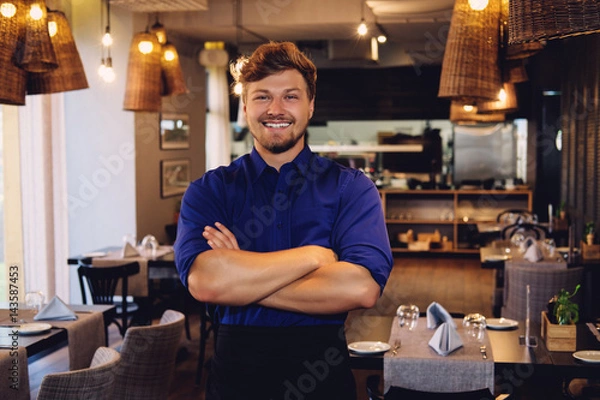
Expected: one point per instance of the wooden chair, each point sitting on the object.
(544, 283)
(516, 216)
(96, 382)
(148, 358)
(207, 325)
(102, 285)
(538, 232)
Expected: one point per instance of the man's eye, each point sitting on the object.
(291, 97)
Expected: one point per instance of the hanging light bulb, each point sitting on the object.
(169, 55)
(145, 47)
(107, 39)
(478, 5)
(109, 73)
(237, 89)
(36, 12)
(8, 10)
(102, 69)
(382, 38)
(159, 30)
(362, 28)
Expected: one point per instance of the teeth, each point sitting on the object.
(279, 125)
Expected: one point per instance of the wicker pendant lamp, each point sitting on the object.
(70, 74)
(37, 54)
(537, 20)
(467, 114)
(172, 74)
(142, 91)
(506, 103)
(12, 32)
(470, 69)
(515, 72)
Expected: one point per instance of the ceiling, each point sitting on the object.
(416, 29)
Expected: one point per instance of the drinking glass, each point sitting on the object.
(150, 245)
(475, 325)
(34, 300)
(408, 315)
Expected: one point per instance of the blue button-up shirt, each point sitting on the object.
(310, 201)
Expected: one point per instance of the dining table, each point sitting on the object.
(19, 346)
(513, 361)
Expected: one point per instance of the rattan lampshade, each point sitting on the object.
(173, 82)
(505, 105)
(535, 20)
(470, 69)
(459, 115)
(70, 74)
(37, 54)
(514, 71)
(12, 78)
(142, 91)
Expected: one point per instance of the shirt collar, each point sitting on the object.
(300, 162)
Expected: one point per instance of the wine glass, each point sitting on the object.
(475, 325)
(408, 315)
(34, 300)
(150, 245)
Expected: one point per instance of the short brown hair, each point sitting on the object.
(272, 58)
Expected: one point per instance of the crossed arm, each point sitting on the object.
(306, 279)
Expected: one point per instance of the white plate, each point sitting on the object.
(501, 323)
(592, 356)
(95, 254)
(369, 347)
(496, 257)
(34, 328)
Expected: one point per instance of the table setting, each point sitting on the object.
(85, 330)
(456, 352)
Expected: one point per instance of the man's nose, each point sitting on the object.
(276, 107)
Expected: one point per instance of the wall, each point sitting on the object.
(100, 143)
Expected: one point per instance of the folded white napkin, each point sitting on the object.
(129, 251)
(56, 310)
(534, 253)
(436, 315)
(445, 339)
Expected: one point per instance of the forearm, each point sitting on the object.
(335, 288)
(237, 277)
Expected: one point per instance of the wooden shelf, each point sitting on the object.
(480, 206)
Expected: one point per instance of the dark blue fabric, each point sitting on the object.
(311, 201)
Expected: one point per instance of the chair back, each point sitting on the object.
(148, 358)
(544, 283)
(96, 382)
(102, 281)
(515, 216)
(538, 232)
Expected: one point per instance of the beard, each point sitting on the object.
(282, 147)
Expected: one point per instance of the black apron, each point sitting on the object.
(274, 363)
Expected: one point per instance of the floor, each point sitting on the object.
(457, 283)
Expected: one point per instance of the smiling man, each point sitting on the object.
(284, 243)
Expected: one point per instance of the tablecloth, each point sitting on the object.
(137, 284)
(417, 366)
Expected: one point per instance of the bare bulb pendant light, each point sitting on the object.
(37, 54)
(12, 30)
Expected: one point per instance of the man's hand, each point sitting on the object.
(220, 238)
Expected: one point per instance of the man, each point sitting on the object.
(285, 243)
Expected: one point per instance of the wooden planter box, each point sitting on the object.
(558, 337)
(590, 252)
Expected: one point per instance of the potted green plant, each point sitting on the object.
(562, 309)
(590, 232)
(562, 210)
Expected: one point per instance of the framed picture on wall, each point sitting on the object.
(174, 177)
(174, 131)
